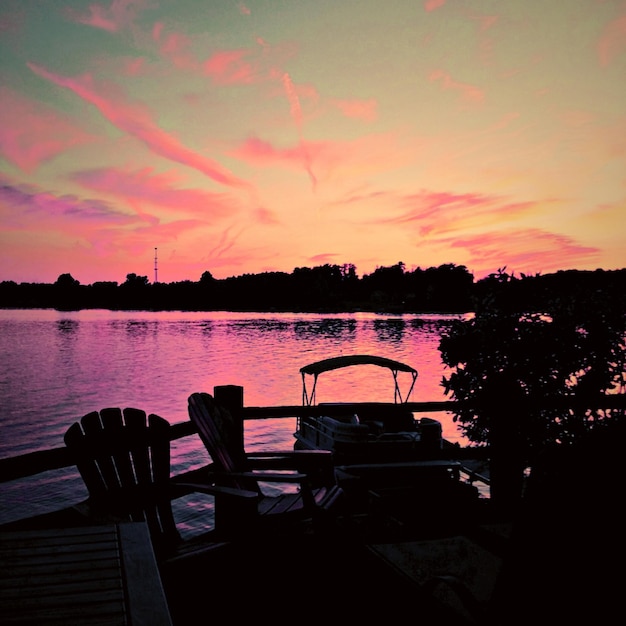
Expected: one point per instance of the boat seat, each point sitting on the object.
(396, 422)
(352, 418)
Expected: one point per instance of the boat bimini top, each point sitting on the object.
(325, 365)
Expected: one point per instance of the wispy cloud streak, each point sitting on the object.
(25, 201)
(612, 40)
(528, 250)
(431, 5)
(470, 93)
(118, 15)
(36, 133)
(296, 114)
(136, 121)
(156, 189)
(359, 109)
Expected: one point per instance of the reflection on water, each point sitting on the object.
(67, 327)
(58, 366)
(325, 328)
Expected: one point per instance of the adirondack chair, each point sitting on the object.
(317, 498)
(123, 457)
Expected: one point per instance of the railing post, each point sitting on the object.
(231, 397)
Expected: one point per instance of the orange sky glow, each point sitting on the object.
(265, 135)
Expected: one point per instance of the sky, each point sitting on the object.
(241, 137)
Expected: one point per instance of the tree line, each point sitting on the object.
(326, 288)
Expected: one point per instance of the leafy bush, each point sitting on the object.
(536, 377)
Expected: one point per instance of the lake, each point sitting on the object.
(58, 366)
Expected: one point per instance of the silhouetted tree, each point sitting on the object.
(67, 293)
(526, 378)
(65, 281)
(134, 293)
(134, 281)
(207, 278)
(386, 285)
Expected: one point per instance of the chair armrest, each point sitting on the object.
(263, 476)
(317, 464)
(311, 458)
(207, 474)
(274, 477)
(291, 453)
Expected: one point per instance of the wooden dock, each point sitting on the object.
(369, 567)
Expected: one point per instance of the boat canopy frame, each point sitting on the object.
(333, 363)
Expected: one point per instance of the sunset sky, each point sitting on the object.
(265, 135)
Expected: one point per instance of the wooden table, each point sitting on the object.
(77, 576)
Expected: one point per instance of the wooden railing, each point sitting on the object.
(32, 463)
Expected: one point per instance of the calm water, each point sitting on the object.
(58, 366)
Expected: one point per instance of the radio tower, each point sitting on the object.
(156, 279)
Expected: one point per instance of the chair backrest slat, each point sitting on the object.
(118, 466)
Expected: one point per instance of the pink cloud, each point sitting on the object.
(241, 66)
(612, 40)
(224, 243)
(243, 9)
(265, 216)
(296, 114)
(120, 14)
(294, 101)
(360, 109)
(247, 66)
(437, 213)
(526, 251)
(470, 93)
(26, 204)
(431, 5)
(157, 29)
(175, 47)
(265, 154)
(139, 240)
(136, 121)
(332, 159)
(323, 259)
(134, 67)
(92, 224)
(161, 190)
(487, 21)
(230, 67)
(262, 152)
(32, 134)
(430, 209)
